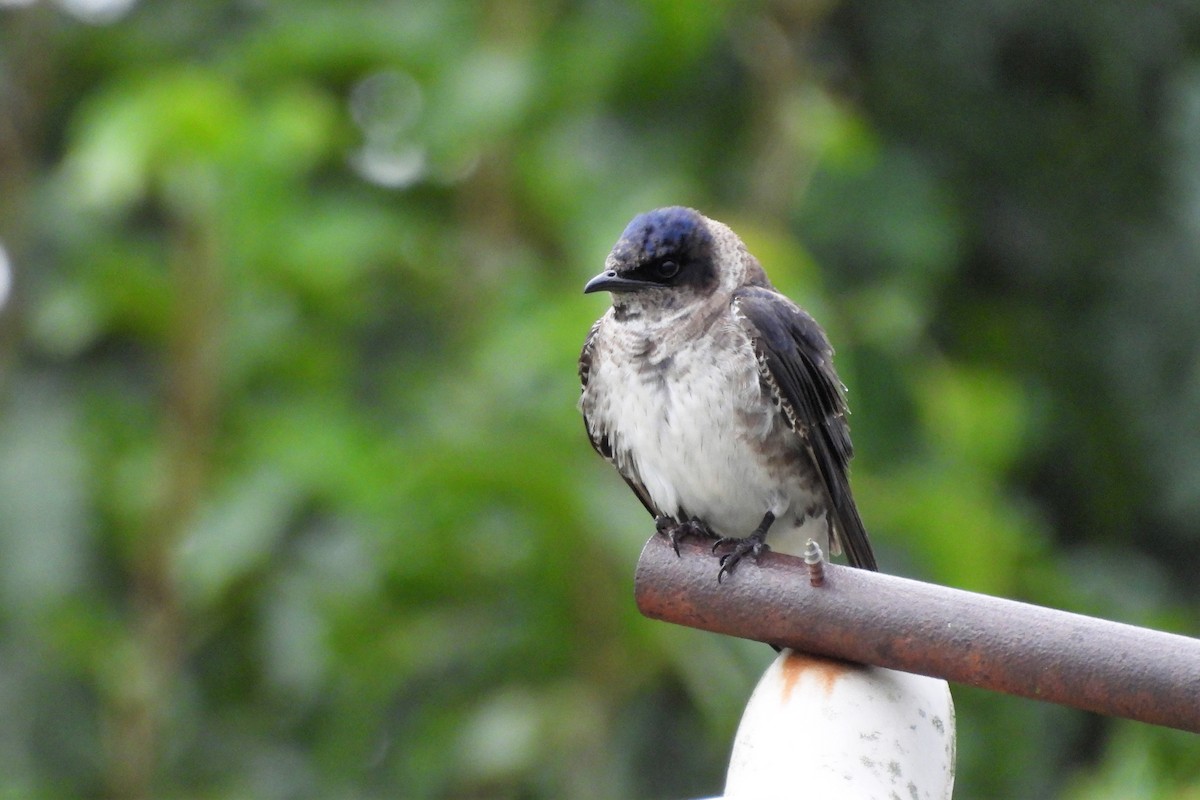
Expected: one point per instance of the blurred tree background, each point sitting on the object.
(294, 498)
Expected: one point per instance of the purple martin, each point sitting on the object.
(715, 396)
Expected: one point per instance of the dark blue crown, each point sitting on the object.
(663, 231)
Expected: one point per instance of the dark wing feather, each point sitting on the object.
(601, 443)
(796, 361)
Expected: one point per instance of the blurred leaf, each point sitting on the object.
(234, 535)
(976, 415)
(45, 531)
(130, 136)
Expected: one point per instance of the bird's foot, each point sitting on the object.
(677, 531)
(753, 545)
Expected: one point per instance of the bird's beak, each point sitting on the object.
(610, 281)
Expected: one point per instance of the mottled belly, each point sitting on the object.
(701, 443)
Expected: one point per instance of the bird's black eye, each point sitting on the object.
(666, 269)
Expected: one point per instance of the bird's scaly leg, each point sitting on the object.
(753, 545)
(677, 531)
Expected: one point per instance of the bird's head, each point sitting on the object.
(671, 259)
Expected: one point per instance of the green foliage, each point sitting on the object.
(294, 499)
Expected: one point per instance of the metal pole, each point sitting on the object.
(872, 618)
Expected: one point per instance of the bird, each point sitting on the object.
(715, 396)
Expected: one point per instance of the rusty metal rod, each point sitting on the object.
(868, 617)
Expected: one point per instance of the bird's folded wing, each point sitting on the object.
(796, 361)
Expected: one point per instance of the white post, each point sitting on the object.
(820, 729)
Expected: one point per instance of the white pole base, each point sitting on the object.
(821, 729)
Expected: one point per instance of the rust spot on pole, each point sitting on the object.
(826, 671)
(872, 618)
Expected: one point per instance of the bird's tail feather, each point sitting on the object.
(852, 535)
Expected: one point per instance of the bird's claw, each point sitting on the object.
(753, 546)
(677, 531)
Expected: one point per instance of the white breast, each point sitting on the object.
(691, 429)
